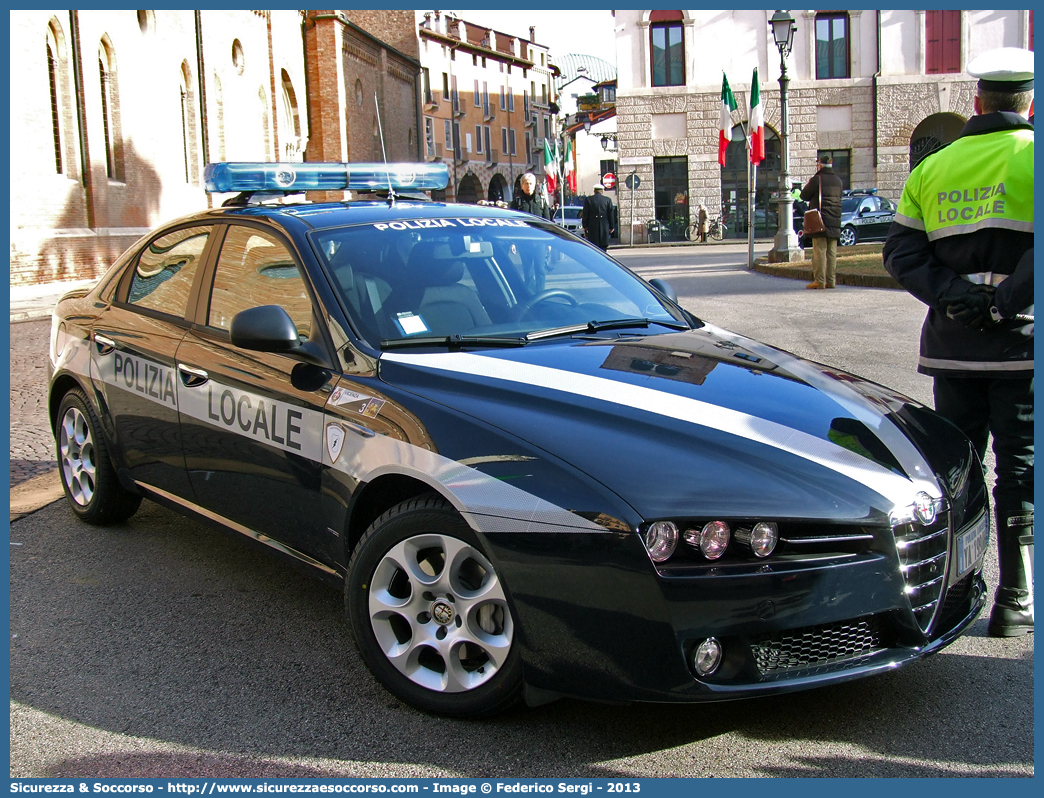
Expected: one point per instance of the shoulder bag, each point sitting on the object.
(813, 218)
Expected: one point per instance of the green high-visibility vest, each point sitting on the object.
(976, 182)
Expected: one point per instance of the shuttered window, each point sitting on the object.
(942, 36)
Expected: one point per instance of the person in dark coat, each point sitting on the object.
(529, 200)
(823, 191)
(598, 218)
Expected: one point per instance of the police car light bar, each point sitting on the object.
(295, 177)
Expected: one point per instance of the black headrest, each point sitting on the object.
(433, 263)
(342, 269)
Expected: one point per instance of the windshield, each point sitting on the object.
(849, 204)
(488, 277)
(570, 212)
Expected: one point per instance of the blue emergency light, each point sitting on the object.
(293, 177)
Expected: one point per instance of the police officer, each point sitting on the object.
(962, 243)
(598, 218)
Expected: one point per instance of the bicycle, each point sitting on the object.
(716, 230)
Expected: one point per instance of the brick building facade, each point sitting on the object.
(876, 89)
(114, 115)
(486, 103)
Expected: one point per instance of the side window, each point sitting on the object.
(256, 269)
(887, 206)
(165, 270)
(867, 205)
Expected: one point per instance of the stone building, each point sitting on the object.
(486, 102)
(876, 89)
(114, 114)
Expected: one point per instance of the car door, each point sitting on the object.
(134, 344)
(885, 217)
(252, 421)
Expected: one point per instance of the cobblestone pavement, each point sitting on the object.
(32, 446)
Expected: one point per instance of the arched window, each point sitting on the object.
(291, 137)
(266, 133)
(188, 125)
(110, 111)
(60, 101)
(219, 107)
(56, 123)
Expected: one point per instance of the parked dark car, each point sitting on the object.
(531, 472)
(864, 217)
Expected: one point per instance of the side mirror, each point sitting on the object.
(267, 328)
(664, 288)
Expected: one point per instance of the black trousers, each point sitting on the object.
(981, 406)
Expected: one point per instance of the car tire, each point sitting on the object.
(88, 477)
(848, 237)
(428, 612)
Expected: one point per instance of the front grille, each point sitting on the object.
(955, 605)
(814, 646)
(922, 558)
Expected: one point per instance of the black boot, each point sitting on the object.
(1012, 612)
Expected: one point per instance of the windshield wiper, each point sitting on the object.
(596, 326)
(451, 341)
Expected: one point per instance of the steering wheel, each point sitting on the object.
(550, 293)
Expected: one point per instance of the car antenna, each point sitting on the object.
(380, 128)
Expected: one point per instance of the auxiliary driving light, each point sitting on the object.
(707, 657)
(761, 540)
(660, 539)
(712, 540)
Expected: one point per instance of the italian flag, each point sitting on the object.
(550, 166)
(567, 166)
(757, 123)
(728, 105)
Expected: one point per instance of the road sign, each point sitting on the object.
(632, 181)
(609, 180)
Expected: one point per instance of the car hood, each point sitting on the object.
(701, 419)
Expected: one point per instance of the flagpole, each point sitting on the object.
(751, 177)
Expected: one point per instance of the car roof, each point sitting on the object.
(321, 215)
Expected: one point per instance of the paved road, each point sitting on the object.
(165, 648)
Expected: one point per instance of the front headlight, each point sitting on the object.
(660, 540)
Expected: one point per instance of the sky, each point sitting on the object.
(587, 32)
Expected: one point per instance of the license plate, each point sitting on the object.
(971, 545)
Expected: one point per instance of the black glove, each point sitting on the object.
(970, 306)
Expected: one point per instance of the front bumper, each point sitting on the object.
(598, 622)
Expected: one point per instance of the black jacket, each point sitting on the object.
(830, 208)
(927, 268)
(533, 203)
(598, 218)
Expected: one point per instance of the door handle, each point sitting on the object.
(191, 377)
(358, 429)
(105, 345)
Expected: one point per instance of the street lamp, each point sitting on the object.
(785, 248)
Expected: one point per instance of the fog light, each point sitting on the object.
(761, 540)
(660, 540)
(707, 657)
(712, 540)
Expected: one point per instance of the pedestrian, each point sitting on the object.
(598, 218)
(528, 199)
(704, 222)
(962, 243)
(823, 191)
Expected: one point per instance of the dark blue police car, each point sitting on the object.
(865, 217)
(531, 472)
